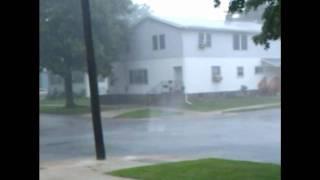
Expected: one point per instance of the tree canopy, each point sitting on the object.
(62, 49)
(61, 34)
(271, 17)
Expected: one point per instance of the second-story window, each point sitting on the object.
(240, 42)
(204, 40)
(162, 41)
(159, 42)
(155, 42)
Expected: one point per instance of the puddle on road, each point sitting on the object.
(230, 114)
(57, 144)
(151, 161)
(156, 127)
(144, 159)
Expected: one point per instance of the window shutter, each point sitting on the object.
(244, 42)
(201, 39)
(162, 42)
(236, 41)
(155, 42)
(145, 76)
(208, 39)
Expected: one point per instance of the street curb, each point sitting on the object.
(188, 112)
(252, 108)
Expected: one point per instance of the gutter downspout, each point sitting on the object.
(186, 99)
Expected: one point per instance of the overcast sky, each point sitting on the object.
(186, 8)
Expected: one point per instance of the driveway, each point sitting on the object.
(251, 135)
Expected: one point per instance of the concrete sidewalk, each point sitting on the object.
(114, 113)
(185, 112)
(84, 169)
(251, 108)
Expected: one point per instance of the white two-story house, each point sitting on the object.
(197, 56)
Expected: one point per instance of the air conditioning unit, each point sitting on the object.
(217, 78)
(202, 46)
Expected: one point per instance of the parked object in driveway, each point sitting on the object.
(43, 93)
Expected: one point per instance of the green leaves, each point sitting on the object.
(237, 6)
(271, 28)
(61, 33)
(217, 3)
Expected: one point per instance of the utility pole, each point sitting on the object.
(94, 96)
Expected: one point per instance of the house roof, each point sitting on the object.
(276, 62)
(206, 24)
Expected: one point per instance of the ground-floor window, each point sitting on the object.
(258, 70)
(216, 73)
(240, 71)
(138, 76)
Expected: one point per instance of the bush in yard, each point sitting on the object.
(244, 90)
(274, 85)
(263, 86)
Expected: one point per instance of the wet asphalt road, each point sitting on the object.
(251, 135)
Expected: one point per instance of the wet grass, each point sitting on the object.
(82, 101)
(57, 106)
(63, 110)
(221, 103)
(147, 113)
(205, 169)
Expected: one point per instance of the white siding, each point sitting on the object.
(102, 86)
(222, 46)
(141, 42)
(78, 88)
(182, 49)
(158, 70)
(198, 77)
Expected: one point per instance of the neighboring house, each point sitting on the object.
(195, 56)
(54, 84)
(251, 16)
(44, 79)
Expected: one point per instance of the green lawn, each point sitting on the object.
(62, 110)
(206, 169)
(57, 106)
(61, 101)
(146, 113)
(220, 103)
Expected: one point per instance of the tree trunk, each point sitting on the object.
(68, 89)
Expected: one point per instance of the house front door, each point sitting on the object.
(178, 77)
(178, 73)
